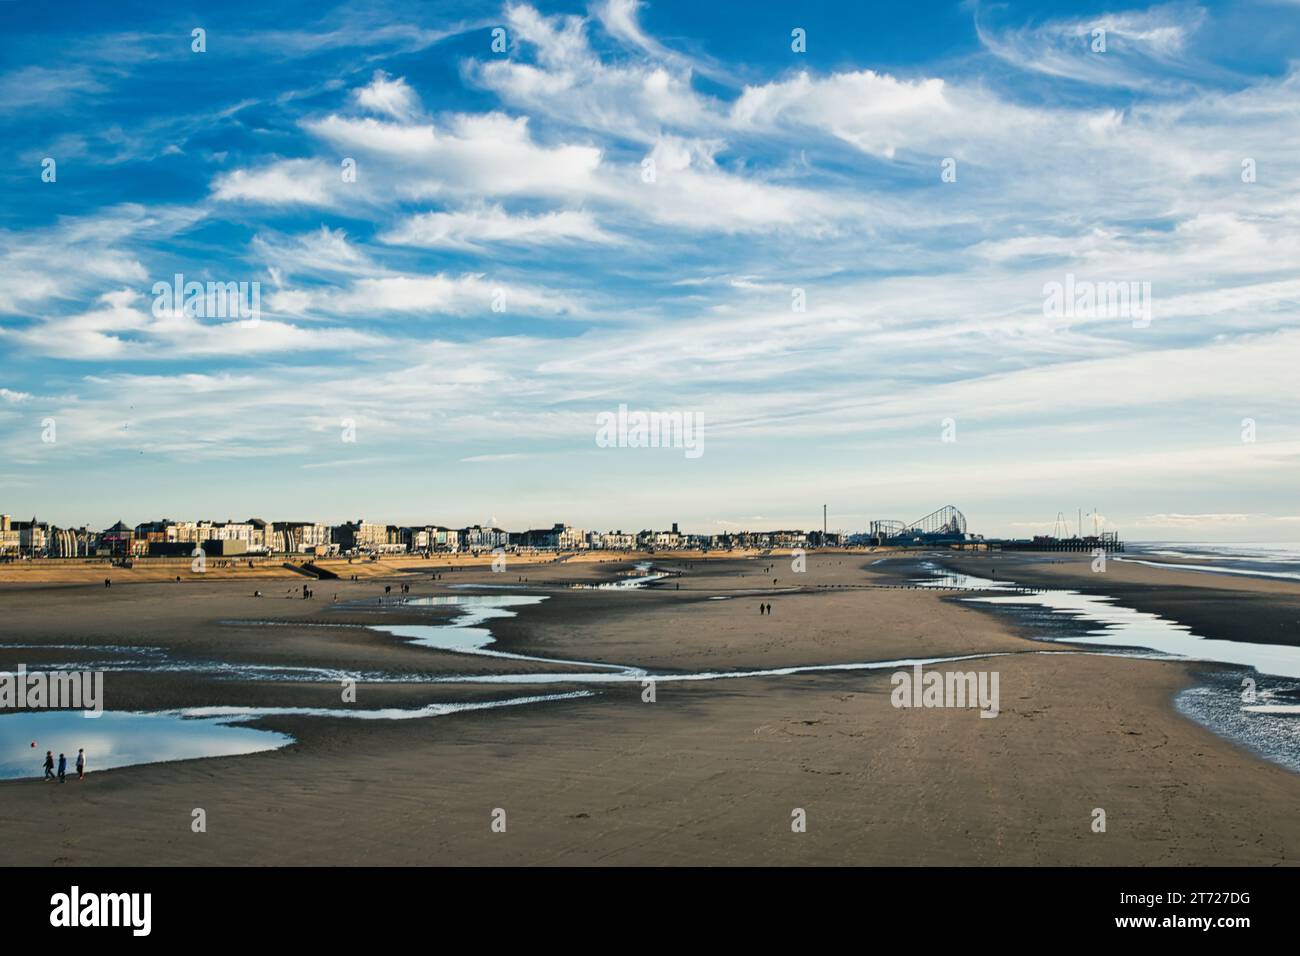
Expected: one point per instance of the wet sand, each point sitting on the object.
(709, 773)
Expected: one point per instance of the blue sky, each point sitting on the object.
(380, 381)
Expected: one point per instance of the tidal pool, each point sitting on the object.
(120, 739)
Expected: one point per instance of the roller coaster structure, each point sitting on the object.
(946, 524)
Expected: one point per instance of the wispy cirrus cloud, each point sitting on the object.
(31, 87)
(478, 226)
(1139, 49)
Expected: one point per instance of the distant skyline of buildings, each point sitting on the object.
(257, 537)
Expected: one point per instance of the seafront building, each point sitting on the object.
(71, 543)
(559, 537)
(300, 537)
(445, 539)
(23, 537)
(364, 536)
(478, 538)
(610, 541)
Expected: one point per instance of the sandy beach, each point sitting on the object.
(710, 772)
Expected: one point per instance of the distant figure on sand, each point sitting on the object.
(63, 766)
(81, 764)
(49, 765)
(107, 583)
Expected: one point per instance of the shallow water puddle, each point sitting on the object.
(381, 713)
(462, 633)
(463, 636)
(120, 739)
(123, 739)
(632, 583)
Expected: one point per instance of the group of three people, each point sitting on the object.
(63, 765)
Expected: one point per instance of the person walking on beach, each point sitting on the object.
(81, 764)
(63, 767)
(49, 765)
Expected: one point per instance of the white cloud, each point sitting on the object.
(486, 155)
(325, 251)
(691, 190)
(470, 228)
(464, 295)
(122, 325)
(287, 182)
(636, 100)
(74, 259)
(390, 97)
(875, 112)
(619, 18)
